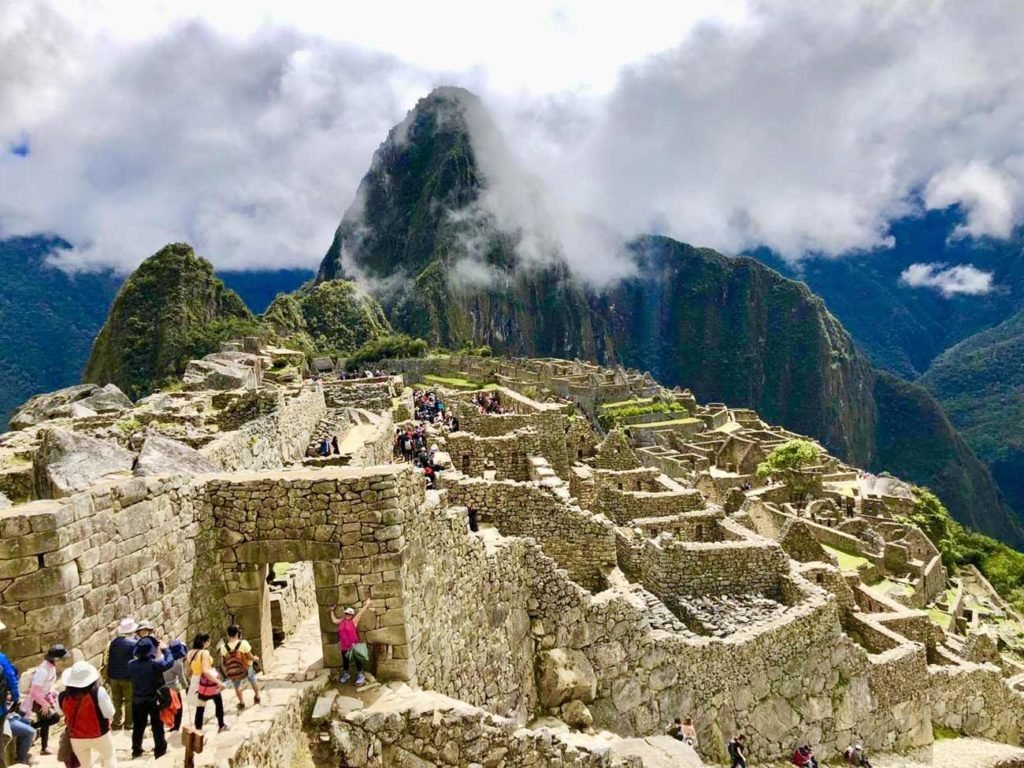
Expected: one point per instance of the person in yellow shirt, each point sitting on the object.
(239, 664)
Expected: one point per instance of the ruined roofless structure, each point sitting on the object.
(624, 566)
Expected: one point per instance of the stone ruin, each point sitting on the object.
(606, 584)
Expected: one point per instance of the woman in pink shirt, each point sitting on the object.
(348, 638)
(42, 696)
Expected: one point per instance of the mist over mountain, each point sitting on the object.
(430, 237)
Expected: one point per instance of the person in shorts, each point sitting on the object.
(239, 664)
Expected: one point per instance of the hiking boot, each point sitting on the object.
(345, 677)
(223, 728)
(241, 706)
(360, 679)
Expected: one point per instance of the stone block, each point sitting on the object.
(394, 635)
(564, 675)
(21, 566)
(43, 583)
(395, 669)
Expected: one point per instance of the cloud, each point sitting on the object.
(988, 195)
(962, 279)
(248, 149)
(803, 127)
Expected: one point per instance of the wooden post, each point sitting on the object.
(193, 742)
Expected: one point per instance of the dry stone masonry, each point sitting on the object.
(566, 590)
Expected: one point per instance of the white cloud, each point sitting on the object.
(988, 195)
(962, 279)
(805, 127)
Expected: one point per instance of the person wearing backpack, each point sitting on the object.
(88, 710)
(147, 671)
(40, 695)
(10, 695)
(348, 640)
(239, 664)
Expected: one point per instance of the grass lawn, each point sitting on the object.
(888, 588)
(626, 403)
(452, 382)
(672, 423)
(939, 618)
(847, 561)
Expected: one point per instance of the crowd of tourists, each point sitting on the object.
(488, 402)
(411, 446)
(150, 683)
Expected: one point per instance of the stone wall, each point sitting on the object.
(551, 428)
(626, 506)
(371, 394)
(508, 455)
(431, 730)
(291, 605)
(70, 569)
(349, 522)
(973, 699)
(272, 440)
(467, 613)
(580, 542)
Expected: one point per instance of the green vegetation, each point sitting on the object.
(940, 732)
(451, 382)
(170, 310)
(384, 348)
(787, 462)
(1002, 566)
(847, 561)
(620, 413)
(333, 318)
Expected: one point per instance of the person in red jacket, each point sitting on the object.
(87, 709)
(804, 757)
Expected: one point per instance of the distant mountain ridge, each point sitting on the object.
(731, 328)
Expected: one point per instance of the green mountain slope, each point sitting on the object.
(48, 320)
(732, 329)
(980, 383)
(170, 310)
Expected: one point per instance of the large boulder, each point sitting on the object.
(564, 675)
(43, 407)
(220, 371)
(163, 456)
(68, 462)
(107, 399)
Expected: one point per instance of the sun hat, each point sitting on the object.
(178, 649)
(144, 625)
(56, 652)
(81, 674)
(127, 626)
(350, 611)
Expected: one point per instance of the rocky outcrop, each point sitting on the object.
(68, 462)
(162, 456)
(218, 372)
(75, 401)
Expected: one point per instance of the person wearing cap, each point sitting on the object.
(119, 654)
(147, 669)
(348, 637)
(41, 696)
(238, 662)
(87, 709)
(176, 682)
(21, 730)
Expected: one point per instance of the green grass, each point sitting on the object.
(939, 618)
(672, 423)
(847, 560)
(626, 403)
(885, 587)
(941, 732)
(452, 382)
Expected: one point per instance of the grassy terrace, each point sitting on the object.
(453, 382)
(672, 423)
(847, 561)
(626, 403)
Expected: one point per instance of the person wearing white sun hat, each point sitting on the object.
(87, 712)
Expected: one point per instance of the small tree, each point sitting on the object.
(787, 462)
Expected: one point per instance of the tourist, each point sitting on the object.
(87, 712)
(325, 447)
(147, 673)
(41, 696)
(676, 729)
(145, 630)
(804, 757)
(335, 448)
(177, 683)
(121, 651)
(348, 640)
(855, 756)
(204, 682)
(21, 730)
(737, 751)
(239, 664)
(689, 732)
